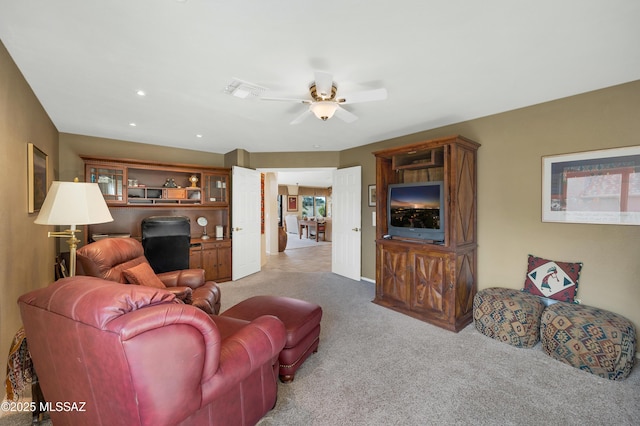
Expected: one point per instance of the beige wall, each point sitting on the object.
(72, 146)
(27, 255)
(509, 194)
(275, 160)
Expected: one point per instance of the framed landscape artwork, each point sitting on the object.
(37, 165)
(601, 187)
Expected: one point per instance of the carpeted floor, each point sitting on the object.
(379, 367)
(295, 242)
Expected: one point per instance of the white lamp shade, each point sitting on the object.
(74, 203)
(324, 110)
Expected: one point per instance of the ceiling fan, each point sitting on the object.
(325, 102)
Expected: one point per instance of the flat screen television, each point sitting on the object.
(416, 210)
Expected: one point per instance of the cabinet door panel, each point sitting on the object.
(210, 264)
(465, 283)
(195, 258)
(110, 179)
(224, 263)
(394, 276)
(430, 281)
(215, 188)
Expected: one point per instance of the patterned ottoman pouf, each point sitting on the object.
(588, 338)
(508, 315)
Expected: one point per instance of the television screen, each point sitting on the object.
(416, 210)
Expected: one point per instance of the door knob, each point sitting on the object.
(237, 229)
(356, 229)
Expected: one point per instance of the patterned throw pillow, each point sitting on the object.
(143, 275)
(554, 280)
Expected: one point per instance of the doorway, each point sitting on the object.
(297, 194)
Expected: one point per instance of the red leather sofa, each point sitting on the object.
(110, 354)
(110, 257)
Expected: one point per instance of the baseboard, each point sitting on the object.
(369, 280)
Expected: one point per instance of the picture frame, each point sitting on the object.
(292, 203)
(37, 173)
(372, 195)
(596, 187)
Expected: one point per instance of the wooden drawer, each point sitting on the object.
(176, 193)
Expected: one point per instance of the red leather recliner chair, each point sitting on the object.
(108, 258)
(133, 355)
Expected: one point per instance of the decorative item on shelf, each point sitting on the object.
(73, 203)
(202, 221)
(194, 180)
(219, 232)
(170, 183)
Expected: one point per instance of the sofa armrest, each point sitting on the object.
(193, 278)
(182, 293)
(242, 353)
(207, 297)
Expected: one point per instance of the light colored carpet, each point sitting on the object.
(378, 367)
(295, 242)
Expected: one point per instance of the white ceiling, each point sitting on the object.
(441, 62)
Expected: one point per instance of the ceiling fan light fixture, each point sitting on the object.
(324, 110)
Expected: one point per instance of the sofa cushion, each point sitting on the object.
(552, 279)
(143, 275)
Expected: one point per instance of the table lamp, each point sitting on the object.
(73, 203)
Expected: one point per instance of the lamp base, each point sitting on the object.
(73, 245)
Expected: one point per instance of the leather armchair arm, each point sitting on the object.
(193, 278)
(206, 294)
(252, 347)
(182, 293)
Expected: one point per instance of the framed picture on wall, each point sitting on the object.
(37, 168)
(372, 195)
(600, 187)
(292, 203)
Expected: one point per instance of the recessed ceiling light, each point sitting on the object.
(132, 124)
(316, 146)
(198, 136)
(141, 93)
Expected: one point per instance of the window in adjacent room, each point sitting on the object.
(314, 206)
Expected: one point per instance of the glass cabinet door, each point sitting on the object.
(110, 180)
(216, 188)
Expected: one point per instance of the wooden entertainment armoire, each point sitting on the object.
(433, 282)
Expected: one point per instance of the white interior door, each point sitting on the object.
(245, 222)
(346, 222)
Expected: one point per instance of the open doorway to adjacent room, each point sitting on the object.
(301, 210)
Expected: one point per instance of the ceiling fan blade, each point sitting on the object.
(363, 96)
(345, 115)
(324, 82)
(302, 117)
